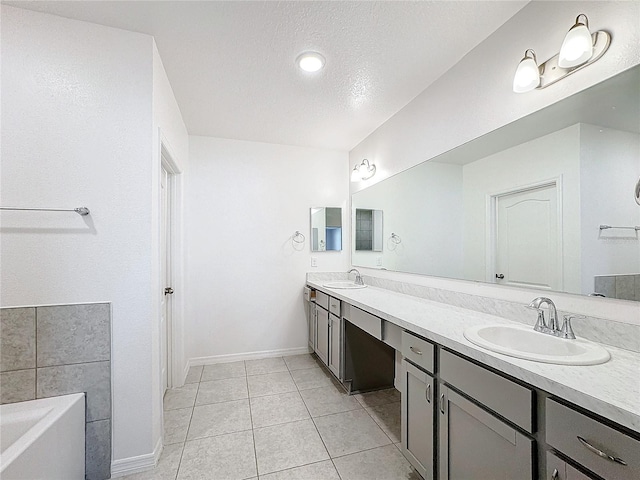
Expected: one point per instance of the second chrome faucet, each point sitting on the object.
(552, 327)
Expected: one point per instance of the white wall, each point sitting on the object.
(77, 130)
(244, 202)
(424, 208)
(553, 156)
(610, 167)
(476, 97)
(169, 132)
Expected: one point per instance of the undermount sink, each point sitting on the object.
(344, 284)
(524, 342)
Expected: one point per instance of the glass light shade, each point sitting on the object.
(527, 76)
(577, 47)
(310, 62)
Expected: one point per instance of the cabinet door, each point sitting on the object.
(558, 469)
(417, 419)
(312, 326)
(335, 344)
(475, 444)
(322, 334)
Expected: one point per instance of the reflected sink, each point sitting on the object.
(524, 342)
(344, 284)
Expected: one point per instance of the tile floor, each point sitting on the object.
(279, 418)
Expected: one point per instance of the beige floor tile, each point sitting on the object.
(182, 397)
(167, 467)
(176, 424)
(316, 471)
(385, 463)
(266, 365)
(327, 400)
(270, 384)
(221, 371)
(312, 378)
(388, 418)
(225, 457)
(219, 419)
(225, 390)
(288, 445)
(301, 362)
(194, 374)
(276, 409)
(350, 432)
(379, 397)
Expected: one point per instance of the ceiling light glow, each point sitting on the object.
(310, 61)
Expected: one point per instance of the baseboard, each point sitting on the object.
(236, 357)
(141, 463)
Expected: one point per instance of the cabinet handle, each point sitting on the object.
(415, 350)
(554, 475)
(600, 452)
(442, 403)
(428, 393)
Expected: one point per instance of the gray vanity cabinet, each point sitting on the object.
(322, 334)
(558, 469)
(335, 342)
(418, 419)
(475, 444)
(312, 325)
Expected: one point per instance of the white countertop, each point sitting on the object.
(611, 389)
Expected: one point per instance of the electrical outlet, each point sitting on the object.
(379, 261)
(314, 261)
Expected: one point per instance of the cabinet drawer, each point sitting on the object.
(367, 322)
(418, 351)
(564, 425)
(322, 299)
(514, 402)
(334, 306)
(392, 335)
(307, 294)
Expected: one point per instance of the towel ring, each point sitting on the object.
(298, 237)
(396, 239)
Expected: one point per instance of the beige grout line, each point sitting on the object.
(253, 433)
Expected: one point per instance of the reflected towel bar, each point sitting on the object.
(606, 227)
(80, 210)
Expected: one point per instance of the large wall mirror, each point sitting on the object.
(326, 229)
(527, 205)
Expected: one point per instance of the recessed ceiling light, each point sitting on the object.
(310, 61)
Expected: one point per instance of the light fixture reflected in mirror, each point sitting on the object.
(579, 49)
(363, 171)
(527, 75)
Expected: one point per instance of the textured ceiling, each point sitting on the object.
(231, 64)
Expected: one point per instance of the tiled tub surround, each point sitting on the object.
(47, 351)
(277, 419)
(623, 287)
(611, 390)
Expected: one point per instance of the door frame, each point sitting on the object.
(174, 330)
(491, 246)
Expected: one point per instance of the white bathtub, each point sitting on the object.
(43, 439)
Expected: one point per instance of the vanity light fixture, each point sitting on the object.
(579, 49)
(310, 61)
(363, 171)
(527, 75)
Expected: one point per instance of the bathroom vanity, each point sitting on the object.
(468, 413)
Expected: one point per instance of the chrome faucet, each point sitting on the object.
(358, 280)
(542, 325)
(553, 326)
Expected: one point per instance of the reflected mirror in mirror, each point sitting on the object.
(524, 205)
(368, 230)
(326, 229)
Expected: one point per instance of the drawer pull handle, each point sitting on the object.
(600, 452)
(428, 393)
(415, 350)
(554, 475)
(442, 403)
